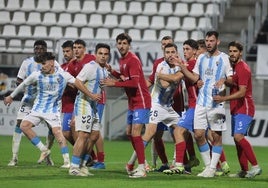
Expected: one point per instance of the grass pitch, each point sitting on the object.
(30, 174)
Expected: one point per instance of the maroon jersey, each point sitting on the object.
(134, 83)
(191, 88)
(242, 77)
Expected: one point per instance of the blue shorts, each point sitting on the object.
(66, 121)
(187, 120)
(241, 123)
(162, 127)
(138, 116)
(100, 108)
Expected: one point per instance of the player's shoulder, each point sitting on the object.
(223, 54)
(28, 60)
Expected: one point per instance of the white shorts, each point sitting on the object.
(166, 115)
(52, 120)
(86, 123)
(214, 118)
(24, 110)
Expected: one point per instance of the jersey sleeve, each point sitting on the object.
(28, 81)
(196, 66)
(229, 69)
(134, 75)
(86, 72)
(22, 71)
(69, 78)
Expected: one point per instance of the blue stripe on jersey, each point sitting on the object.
(49, 99)
(219, 68)
(97, 81)
(62, 85)
(41, 88)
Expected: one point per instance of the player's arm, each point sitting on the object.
(113, 72)
(163, 83)
(19, 81)
(171, 77)
(192, 76)
(80, 86)
(30, 80)
(237, 95)
(133, 82)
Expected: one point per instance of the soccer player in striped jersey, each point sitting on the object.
(87, 122)
(28, 66)
(50, 84)
(212, 68)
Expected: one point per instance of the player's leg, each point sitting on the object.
(193, 160)
(63, 146)
(79, 150)
(91, 141)
(100, 154)
(180, 149)
(26, 127)
(66, 127)
(16, 139)
(242, 123)
(100, 142)
(216, 120)
(160, 147)
(140, 117)
(49, 143)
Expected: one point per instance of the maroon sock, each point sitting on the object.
(222, 157)
(248, 150)
(241, 157)
(180, 152)
(100, 157)
(131, 140)
(93, 155)
(139, 149)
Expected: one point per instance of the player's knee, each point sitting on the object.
(94, 136)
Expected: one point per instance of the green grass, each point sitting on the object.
(29, 174)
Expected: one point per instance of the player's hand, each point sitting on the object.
(95, 97)
(108, 82)
(199, 83)
(218, 98)
(108, 67)
(8, 100)
(220, 83)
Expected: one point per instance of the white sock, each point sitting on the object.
(206, 157)
(16, 144)
(66, 158)
(214, 160)
(133, 158)
(141, 166)
(41, 146)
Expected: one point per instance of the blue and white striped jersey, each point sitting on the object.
(160, 95)
(27, 67)
(49, 90)
(211, 69)
(91, 74)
